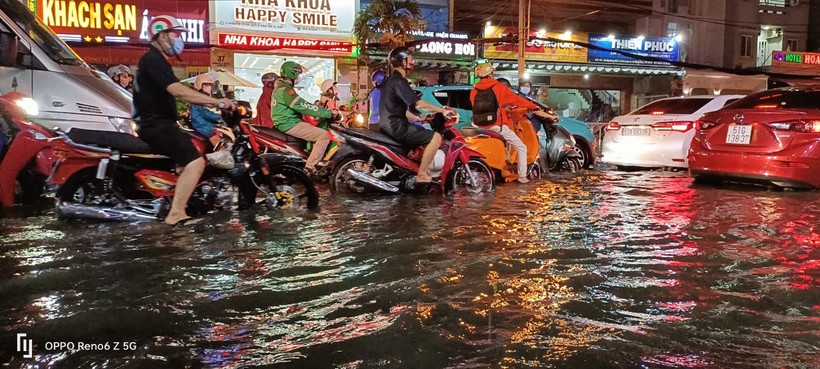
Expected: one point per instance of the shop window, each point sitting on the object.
(746, 46)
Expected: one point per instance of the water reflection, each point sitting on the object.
(606, 269)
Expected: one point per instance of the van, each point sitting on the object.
(68, 92)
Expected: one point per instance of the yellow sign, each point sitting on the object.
(563, 51)
(89, 14)
(222, 59)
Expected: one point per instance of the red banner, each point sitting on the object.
(253, 42)
(119, 21)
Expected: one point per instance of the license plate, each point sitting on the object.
(739, 135)
(636, 131)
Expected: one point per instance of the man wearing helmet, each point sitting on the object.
(122, 75)
(155, 91)
(496, 120)
(330, 95)
(287, 109)
(375, 95)
(269, 82)
(398, 103)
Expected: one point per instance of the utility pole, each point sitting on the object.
(523, 37)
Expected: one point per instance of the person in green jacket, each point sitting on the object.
(287, 108)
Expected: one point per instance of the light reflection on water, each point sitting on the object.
(606, 269)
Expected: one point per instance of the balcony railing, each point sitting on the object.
(779, 3)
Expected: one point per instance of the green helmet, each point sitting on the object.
(291, 70)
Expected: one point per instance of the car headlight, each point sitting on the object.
(28, 105)
(124, 125)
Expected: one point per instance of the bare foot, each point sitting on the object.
(424, 178)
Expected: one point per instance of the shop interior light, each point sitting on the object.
(526, 75)
(766, 28)
(586, 76)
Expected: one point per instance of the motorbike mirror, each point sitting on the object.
(217, 89)
(8, 43)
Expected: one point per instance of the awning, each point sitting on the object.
(590, 68)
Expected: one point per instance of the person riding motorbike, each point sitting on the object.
(123, 76)
(203, 118)
(397, 97)
(287, 109)
(330, 95)
(375, 95)
(493, 97)
(269, 82)
(155, 112)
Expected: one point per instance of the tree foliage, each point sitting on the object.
(394, 19)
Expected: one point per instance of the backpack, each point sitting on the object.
(485, 107)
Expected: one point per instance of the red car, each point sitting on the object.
(771, 138)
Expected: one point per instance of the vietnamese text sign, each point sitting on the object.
(313, 17)
(253, 42)
(659, 47)
(437, 45)
(118, 20)
(562, 51)
(796, 62)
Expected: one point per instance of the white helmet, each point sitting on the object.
(327, 85)
(164, 23)
(201, 80)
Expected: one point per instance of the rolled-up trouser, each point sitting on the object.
(318, 136)
(517, 144)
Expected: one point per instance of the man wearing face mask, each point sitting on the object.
(155, 91)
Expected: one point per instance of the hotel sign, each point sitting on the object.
(120, 21)
(794, 62)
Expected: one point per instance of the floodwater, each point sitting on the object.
(600, 270)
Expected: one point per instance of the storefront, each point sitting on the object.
(255, 37)
(112, 32)
(804, 67)
(588, 84)
(441, 58)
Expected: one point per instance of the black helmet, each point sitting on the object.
(269, 77)
(397, 56)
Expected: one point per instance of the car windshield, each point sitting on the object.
(56, 49)
(779, 99)
(672, 106)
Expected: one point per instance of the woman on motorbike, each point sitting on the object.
(494, 118)
(269, 82)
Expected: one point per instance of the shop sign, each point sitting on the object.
(120, 21)
(796, 63)
(222, 59)
(313, 17)
(441, 45)
(658, 47)
(565, 50)
(255, 42)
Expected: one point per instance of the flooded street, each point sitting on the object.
(602, 270)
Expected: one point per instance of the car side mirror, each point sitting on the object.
(8, 45)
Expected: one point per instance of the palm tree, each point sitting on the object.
(395, 19)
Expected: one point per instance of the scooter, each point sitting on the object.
(558, 152)
(273, 140)
(28, 159)
(501, 157)
(373, 162)
(115, 176)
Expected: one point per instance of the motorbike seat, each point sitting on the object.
(475, 131)
(378, 137)
(122, 142)
(288, 139)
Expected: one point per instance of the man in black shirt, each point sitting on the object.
(398, 103)
(155, 91)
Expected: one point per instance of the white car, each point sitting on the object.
(658, 134)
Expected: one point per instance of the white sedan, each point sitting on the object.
(658, 134)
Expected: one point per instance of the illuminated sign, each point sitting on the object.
(118, 20)
(252, 42)
(658, 47)
(556, 51)
(315, 17)
(439, 45)
(795, 57)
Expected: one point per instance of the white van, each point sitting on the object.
(68, 92)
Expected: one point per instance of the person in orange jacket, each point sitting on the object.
(494, 96)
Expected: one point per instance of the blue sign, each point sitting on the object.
(659, 47)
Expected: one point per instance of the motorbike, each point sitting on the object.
(373, 162)
(499, 156)
(116, 176)
(559, 152)
(27, 160)
(272, 140)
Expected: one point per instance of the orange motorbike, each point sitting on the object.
(502, 158)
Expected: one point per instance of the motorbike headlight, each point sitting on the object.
(124, 125)
(28, 105)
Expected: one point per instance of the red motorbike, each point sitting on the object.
(370, 161)
(115, 176)
(27, 160)
(276, 141)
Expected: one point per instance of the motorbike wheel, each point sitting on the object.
(571, 164)
(534, 171)
(84, 188)
(340, 180)
(458, 180)
(287, 188)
